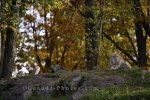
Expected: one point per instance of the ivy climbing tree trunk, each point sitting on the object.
(8, 60)
(91, 38)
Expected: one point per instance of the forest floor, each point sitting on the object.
(79, 85)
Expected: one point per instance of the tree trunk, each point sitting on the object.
(0, 32)
(141, 45)
(38, 58)
(0, 52)
(62, 60)
(91, 38)
(47, 64)
(8, 60)
(140, 37)
(1, 36)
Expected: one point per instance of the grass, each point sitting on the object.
(36, 97)
(123, 93)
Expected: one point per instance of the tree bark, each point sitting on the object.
(91, 38)
(8, 60)
(1, 36)
(62, 60)
(141, 44)
(140, 37)
(141, 16)
(2, 51)
(38, 58)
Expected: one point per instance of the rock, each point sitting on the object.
(44, 86)
(74, 82)
(17, 92)
(70, 84)
(97, 82)
(21, 89)
(57, 68)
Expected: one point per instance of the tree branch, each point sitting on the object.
(80, 12)
(118, 47)
(131, 42)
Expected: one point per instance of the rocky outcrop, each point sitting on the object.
(21, 89)
(17, 93)
(95, 83)
(57, 68)
(75, 84)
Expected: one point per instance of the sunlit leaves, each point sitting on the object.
(57, 27)
(59, 34)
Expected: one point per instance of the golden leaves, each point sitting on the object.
(43, 54)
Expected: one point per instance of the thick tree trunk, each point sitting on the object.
(139, 14)
(8, 60)
(1, 36)
(0, 52)
(141, 45)
(91, 38)
(141, 24)
(0, 31)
